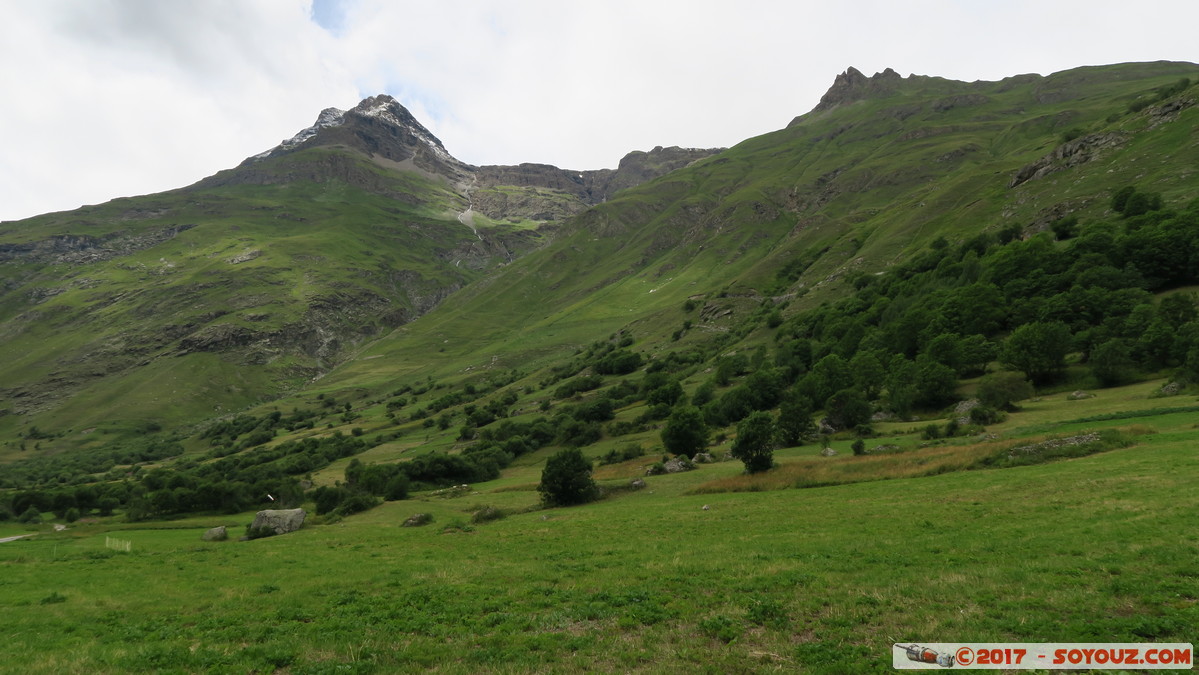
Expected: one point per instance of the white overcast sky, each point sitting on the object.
(108, 98)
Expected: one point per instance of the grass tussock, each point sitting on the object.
(930, 461)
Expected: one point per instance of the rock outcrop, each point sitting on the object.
(280, 521)
(852, 86)
(1071, 153)
(542, 192)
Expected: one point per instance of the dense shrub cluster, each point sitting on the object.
(904, 338)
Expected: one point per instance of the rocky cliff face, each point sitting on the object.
(544, 193)
(387, 133)
(852, 86)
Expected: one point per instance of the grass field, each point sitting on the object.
(1094, 549)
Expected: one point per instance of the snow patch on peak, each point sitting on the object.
(386, 108)
(329, 117)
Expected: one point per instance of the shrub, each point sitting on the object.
(847, 409)
(566, 479)
(487, 514)
(984, 414)
(327, 498)
(356, 502)
(1111, 362)
(685, 433)
(1002, 390)
(616, 455)
(859, 447)
(396, 488)
(755, 442)
(30, 516)
(1039, 349)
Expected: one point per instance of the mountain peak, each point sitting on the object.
(852, 85)
(384, 107)
(378, 126)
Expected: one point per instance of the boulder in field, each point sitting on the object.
(280, 521)
(219, 533)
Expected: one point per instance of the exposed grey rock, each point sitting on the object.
(637, 484)
(78, 249)
(418, 519)
(1169, 389)
(244, 257)
(218, 533)
(678, 464)
(1053, 444)
(702, 458)
(281, 521)
(1072, 153)
(1079, 395)
(962, 410)
(828, 452)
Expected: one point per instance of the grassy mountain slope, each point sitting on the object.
(856, 187)
(172, 308)
(897, 222)
(122, 299)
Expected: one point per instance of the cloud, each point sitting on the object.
(119, 97)
(106, 98)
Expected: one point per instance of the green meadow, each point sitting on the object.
(299, 324)
(1100, 548)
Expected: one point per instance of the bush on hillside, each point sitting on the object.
(1002, 390)
(685, 433)
(755, 442)
(566, 479)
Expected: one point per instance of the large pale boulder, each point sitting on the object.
(219, 533)
(281, 521)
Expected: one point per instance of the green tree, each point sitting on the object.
(685, 433)
(1178, 309)
(1002, 390)
(1156, 344)
(976, 352)
(755, 442)
(847, 409)
(668, 393)
(945, 349)
(829, 375)
(795, 420)
(868, 373)
(935, 382)
(1111, 362)
(396, 488)
(901, 386)
(1038, 349)
(566, 479)
(30, 515)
